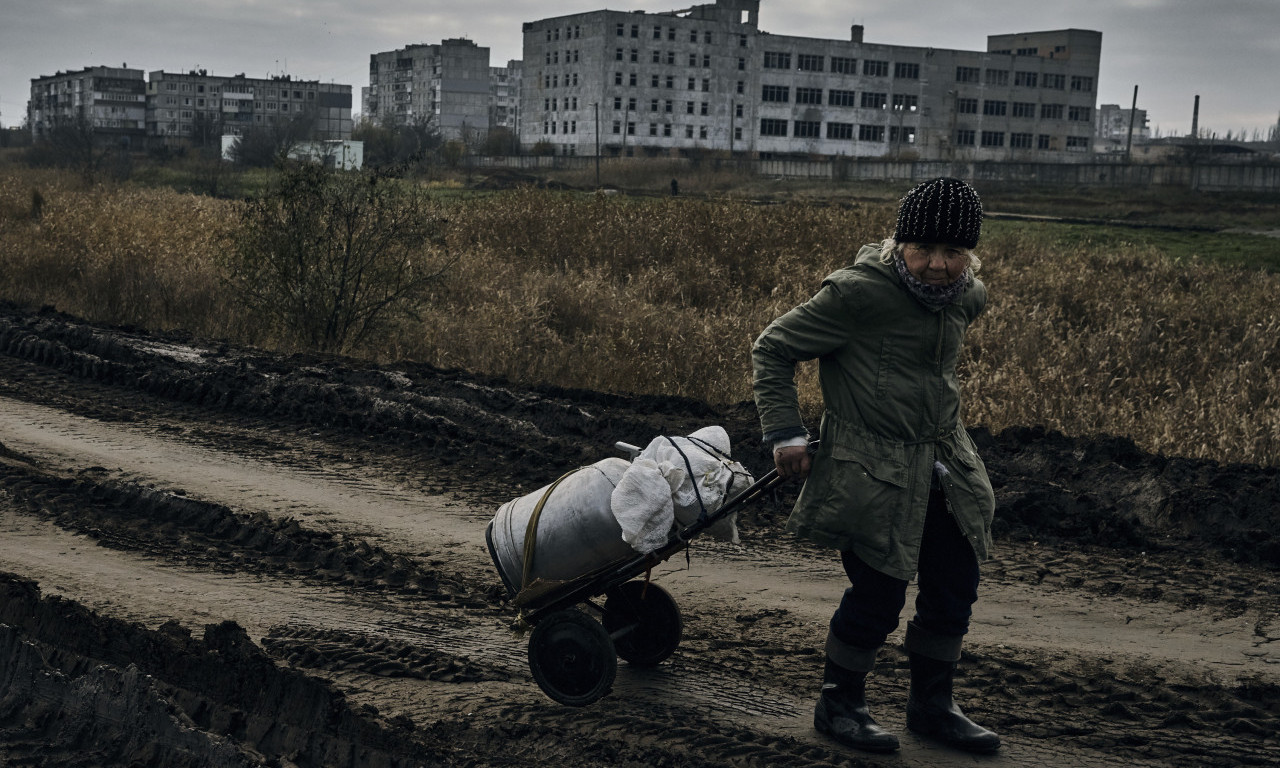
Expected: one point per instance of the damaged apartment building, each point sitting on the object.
(178, 107)
(449, 86)
(707, 78)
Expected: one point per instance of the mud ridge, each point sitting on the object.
(173, 699)
(130, 517)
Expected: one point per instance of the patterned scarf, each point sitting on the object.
(933, 297)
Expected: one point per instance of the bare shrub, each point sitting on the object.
(324, 258)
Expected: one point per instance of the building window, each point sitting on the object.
(706, 40)
(653, 105)
(993, 138)
(1020, 140)
(631, 80)
(635, 30)
(1044, 141)
(688, 131)
(742, 86)
(742, 41)
(907, 102)
(617, 102)
(808, 62)
(1081, 114)
(967, 74)
(906, 70)
(870, 133)
(656, 58)
(873, 100)
(844, 65)
(737, 110)
(704, 108)
(1077, 143)
(693, 35)
(905, 134)
(807, 129)
(693, 84)
(737, 134)
(842, 131)
(777, 60)
(772, 127)
(1081, 83)
(671, 81)
(653, 80)
(667, 107)
(997, 77)
(631, 104)
(671, 33)
(873, 68)
(808, 95)
(631, 129)
(965, 137)
(995, 108)
(657, 33)
(967, 106)
(1024, 109)
(1027, 52)
(1054, 82)
(617, 55)
(693, 60)
(776, 93)
(841, 98)
(706, 84)
(617, 78)
(671, 58)
(666, 129)
(688, 107)
(1025, 79)
(1051, 111)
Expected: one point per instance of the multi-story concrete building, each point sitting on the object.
(199, 107)
(505, 95)
(1111, 132)
(111, 100)
(709, 78)
(449, 85)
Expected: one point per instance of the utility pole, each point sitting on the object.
(597, 107)
(1133, 112)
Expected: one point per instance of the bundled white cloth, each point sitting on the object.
(667, 480)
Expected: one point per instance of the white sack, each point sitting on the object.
(657, 491)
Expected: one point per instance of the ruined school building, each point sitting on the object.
(708, 78)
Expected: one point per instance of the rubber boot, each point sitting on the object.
(931, 712)
(842, 711)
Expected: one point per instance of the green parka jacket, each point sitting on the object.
(887, 370)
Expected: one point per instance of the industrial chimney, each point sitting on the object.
(855, 33)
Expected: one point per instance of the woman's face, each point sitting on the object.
(936, 263)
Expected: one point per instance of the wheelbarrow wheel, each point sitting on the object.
(643, 621)
(572, 658)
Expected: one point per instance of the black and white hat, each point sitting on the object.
(942, 210)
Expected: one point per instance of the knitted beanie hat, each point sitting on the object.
(943, 210)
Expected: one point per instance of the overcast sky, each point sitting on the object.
(1227, 51)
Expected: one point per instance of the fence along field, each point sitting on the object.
(1087, 335)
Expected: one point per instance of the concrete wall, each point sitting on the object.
(1214, 178)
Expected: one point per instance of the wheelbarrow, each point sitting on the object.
(576, 639)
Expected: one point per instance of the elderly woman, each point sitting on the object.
(896, 485)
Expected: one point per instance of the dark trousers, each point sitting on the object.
(948, 587)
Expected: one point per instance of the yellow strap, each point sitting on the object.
(531, 530)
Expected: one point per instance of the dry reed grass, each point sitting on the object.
(665, 296)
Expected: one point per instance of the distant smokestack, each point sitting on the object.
(855, 33)
(1195, 119)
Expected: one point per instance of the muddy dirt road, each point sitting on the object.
(215, 557)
